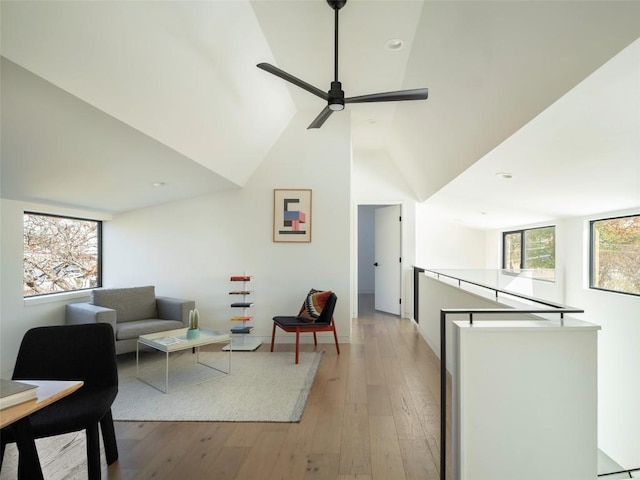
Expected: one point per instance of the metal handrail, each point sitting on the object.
(497, 290)
(620, 472)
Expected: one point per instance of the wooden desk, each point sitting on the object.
(48, 392)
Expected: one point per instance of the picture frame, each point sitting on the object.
(292, 215)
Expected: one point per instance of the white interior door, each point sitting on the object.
(388, 259)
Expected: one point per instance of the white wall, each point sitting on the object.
(377, 181)
(16, 314)
(190, 248)
(442, 243)
(618, 345)
(618, 341)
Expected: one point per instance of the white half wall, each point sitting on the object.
(618, 341)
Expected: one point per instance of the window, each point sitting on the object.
(531, 249)
(615, 254)
(61, 254)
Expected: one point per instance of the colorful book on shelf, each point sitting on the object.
(13, 393)
(240, 278)
(241, 329)
(241, 319)
(240, 292)
(242, 304)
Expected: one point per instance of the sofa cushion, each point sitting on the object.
(130, 304)
(134, 329)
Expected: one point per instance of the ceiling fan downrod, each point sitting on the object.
(336, 94)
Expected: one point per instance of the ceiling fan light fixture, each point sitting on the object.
(336, 97)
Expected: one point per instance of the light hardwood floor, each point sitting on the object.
(372, 414)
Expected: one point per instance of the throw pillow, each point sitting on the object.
(313, 305)
(303, 308)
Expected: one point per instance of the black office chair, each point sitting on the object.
(73, 352)
(294, 324)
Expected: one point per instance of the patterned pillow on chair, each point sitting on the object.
(313, 305)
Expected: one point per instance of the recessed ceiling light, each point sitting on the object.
(504, 175)
(158, 184)
(394, 44)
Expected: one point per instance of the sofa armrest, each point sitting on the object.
(76, 313)
(175, 309)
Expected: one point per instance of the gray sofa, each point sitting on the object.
(131, 312)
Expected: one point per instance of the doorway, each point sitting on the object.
(380, 257)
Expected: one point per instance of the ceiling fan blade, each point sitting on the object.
(290, 78)
(415, 94)
(321, 118)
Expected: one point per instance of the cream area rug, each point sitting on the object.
(262, 387)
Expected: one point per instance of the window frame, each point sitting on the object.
(592, 254)
(99, 224)
(523, 249)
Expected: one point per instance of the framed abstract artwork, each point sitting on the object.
(292, 215)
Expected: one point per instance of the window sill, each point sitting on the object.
(57, 297)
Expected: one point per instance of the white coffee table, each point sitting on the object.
(176, 340)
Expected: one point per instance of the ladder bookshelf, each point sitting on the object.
(242, 340)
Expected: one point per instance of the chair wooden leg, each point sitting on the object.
(273, 335)
(335, 337)
(93, 452)
(315, 339)
(297, 343)
(109, 438)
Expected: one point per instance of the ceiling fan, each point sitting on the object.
(335, 96)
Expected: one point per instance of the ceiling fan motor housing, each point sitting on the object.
(336, 96)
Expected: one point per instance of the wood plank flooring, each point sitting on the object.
(372, 414)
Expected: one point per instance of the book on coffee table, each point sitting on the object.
(169, 340)
(13, 393)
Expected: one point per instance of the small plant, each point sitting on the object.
(194, 319)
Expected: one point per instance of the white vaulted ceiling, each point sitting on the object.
(114, 95)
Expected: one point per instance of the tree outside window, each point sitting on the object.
(615, 254)
(532, 249)
(61, 254)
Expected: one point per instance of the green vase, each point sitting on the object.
(193, 333)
